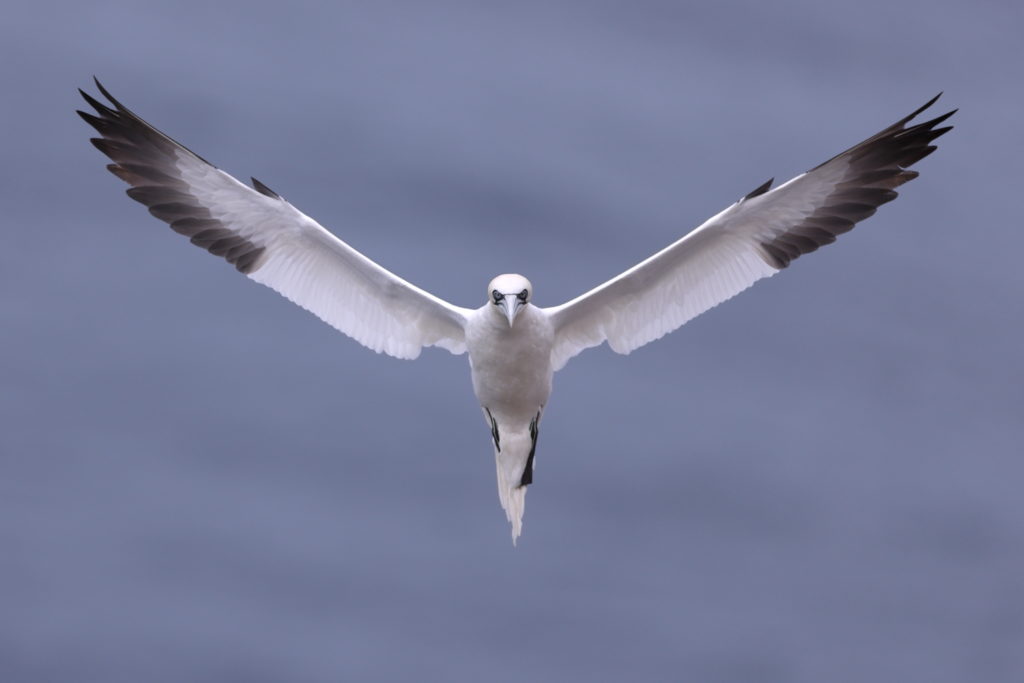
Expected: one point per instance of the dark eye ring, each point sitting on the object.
(498, 296)
(522, 295)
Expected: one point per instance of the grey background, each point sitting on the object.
(818, 481)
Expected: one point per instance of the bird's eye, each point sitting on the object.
(522, 295)
(498, 296)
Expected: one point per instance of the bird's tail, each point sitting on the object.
(515, 468)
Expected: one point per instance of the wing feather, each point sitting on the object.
(754, 238)
(271, 241)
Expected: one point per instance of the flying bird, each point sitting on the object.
(514, 346)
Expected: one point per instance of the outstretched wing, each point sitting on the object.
(271, 241)
(754, 238)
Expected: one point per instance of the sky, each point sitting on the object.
(817, 480)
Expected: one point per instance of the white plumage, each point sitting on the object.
(514, 346)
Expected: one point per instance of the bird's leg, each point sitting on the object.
(494, 429)
(528, 470)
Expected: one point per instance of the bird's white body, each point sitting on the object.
(514, 347)
(511, 369)
(511, 365)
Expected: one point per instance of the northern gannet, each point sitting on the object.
(514, 346)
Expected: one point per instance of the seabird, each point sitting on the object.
(514, 346)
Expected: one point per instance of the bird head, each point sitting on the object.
(509, 294)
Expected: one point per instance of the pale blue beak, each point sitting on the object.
(511, 306)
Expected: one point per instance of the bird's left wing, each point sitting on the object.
(754, 238)
(271, 241)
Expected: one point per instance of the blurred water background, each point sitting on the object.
(818, 481)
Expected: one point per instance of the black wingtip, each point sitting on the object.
(913, 115)
(934, 122)
(94, 103)
(942, 118)
(126, 119)
(110, 98)
(100, 86)
(926, 105)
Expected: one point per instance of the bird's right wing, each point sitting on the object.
(754, 238)
(271, 241)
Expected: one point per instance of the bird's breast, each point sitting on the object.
(511, 366)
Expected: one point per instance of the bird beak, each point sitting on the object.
(511, 305)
